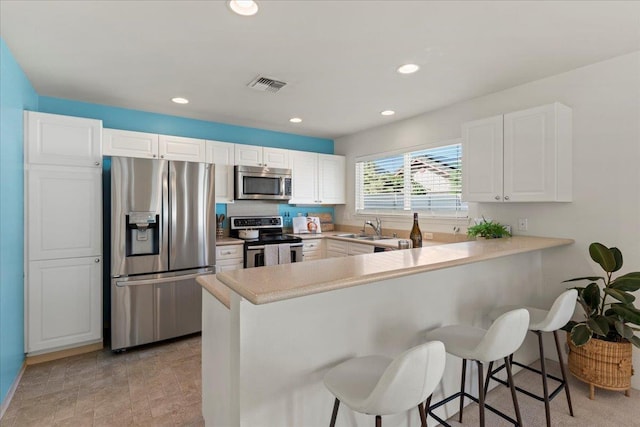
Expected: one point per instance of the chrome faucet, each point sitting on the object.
(377, 226)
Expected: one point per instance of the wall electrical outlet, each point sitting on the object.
(427, 236)
(523, 224)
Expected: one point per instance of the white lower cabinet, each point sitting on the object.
(360, 248)
(229, 257)
(339, 248)
(312, 249)
(65, 303)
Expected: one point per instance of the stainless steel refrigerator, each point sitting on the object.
(162, 238)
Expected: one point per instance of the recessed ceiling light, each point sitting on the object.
(408, 68)
(243, 7)
(295, 120)
(179, 100)
(387, 112)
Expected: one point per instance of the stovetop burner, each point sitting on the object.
(269, 230)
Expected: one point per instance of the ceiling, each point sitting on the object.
(338, 58)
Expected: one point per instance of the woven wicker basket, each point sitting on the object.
(602, 364)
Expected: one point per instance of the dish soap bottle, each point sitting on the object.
(415, 235)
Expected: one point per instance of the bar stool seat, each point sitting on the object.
(543, 321)
(502, 339)
(379, 385)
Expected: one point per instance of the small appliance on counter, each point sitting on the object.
(306, 224)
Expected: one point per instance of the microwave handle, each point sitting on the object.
(282, 185)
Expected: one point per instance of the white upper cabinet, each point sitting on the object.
(62, 140)
(222, 155)
(317, 178)
(151, 146)
(304, 178)
(482, 160)
(331, 179)
(183, 149)
(127, 143)
(253, 155)
(538, 154)
(276, 158)
(523, 156)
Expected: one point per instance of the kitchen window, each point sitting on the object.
(426, 180)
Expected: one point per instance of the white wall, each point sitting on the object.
(605, 98)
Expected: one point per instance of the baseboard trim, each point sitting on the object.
(61, 354)
(7, 399)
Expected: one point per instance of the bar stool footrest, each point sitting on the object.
(553, 394)
(473, 398)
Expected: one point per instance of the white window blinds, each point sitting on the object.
(426, 180)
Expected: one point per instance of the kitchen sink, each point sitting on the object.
(363, 237)
(374, 237)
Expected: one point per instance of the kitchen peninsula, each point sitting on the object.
(269, 334)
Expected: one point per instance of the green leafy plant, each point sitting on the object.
(488, 230)
(607, 302)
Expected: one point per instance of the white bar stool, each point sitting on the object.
(502, 339)
(378, 385)
(544, 321)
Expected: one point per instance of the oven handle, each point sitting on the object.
(254, 248)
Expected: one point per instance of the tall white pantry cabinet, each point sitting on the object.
(63, 232)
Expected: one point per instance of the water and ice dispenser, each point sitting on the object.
(143, 233)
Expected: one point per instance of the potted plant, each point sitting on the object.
(600, 345)
(487, 230)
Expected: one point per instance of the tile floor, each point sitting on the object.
(155, 385)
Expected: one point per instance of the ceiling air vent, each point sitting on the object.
(265, 84)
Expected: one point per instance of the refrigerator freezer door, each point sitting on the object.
(139, 214)
(192, 204)
(155, 307)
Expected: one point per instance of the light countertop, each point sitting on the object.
(279, 282)
(224, 241)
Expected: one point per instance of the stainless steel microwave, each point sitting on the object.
(262, 183)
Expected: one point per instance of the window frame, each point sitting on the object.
(453, 215)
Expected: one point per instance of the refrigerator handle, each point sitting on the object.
(122, 284)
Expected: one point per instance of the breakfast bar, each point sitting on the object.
(269, 334)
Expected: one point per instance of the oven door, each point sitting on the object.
(254, 255)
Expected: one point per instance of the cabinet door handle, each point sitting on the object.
(97, 163)
(497, 197)
(506, 197)
(96, 260)
(162, 157)
(154, 156)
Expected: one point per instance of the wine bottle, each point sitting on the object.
(415, 235)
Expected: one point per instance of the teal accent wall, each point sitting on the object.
(141, 121)
(16, 95)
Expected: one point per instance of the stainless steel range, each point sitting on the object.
(261, 251)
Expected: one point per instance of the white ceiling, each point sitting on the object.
(338, 57)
